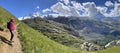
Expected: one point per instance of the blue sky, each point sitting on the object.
(22, 7)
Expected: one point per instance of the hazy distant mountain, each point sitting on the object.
(98, 31)
(31, 15)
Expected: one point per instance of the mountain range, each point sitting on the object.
(99, 29)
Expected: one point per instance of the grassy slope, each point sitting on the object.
(4, 17)
(110, 50)
(55, 31)
(34, 41)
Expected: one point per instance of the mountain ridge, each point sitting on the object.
(58, 32)
(96, 28)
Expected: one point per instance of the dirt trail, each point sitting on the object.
(4, 43)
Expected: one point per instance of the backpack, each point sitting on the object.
(8, 25)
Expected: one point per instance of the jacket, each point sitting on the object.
(12, 27)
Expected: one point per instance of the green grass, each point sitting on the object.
(36, 42)
(110, 50)
(65, 39)
(4, 17)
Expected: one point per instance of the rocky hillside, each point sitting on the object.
(113, 44)
(58, 32)
(99, 32)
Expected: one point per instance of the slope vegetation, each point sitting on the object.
(58, 32)
(111, 50)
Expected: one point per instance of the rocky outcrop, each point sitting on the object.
(113, 43)
(89, 46)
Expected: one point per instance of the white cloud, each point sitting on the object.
(38, 7)
(32, 15)
(109, 3)
(55, 15)
(36, 14)
(79, 9)
(102, 10)
(115, 12)
(77, 5)
(83, 9)
(66, 1)
(24, 17)
(119, 0)
(74, 12)
(20, 18)
(90, 7)
(46, 10)
(60, 8)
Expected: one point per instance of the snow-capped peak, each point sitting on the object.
(32, 15)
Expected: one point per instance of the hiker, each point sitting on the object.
(11, 27)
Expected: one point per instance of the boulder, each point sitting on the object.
(89, 46)
(113, 43)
